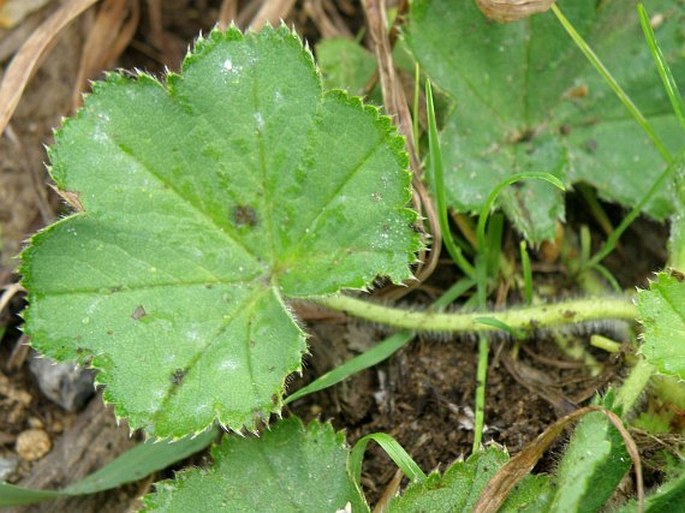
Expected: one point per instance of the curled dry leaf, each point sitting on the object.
(505, 11)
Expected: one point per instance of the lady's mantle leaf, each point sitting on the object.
(460, 487)
(526, 99)
(662, 314)
(206, 201)
(592, 466)
(290, 468)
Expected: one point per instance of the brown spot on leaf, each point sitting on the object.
(504, 11)
(138, 313)
(245, 215)
(576, 92)
(678, 275)
(72, 198)
(177, 376)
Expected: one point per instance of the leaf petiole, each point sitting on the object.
(522, 319)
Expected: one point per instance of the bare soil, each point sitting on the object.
(422, 396)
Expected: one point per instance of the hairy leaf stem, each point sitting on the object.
(528, 318)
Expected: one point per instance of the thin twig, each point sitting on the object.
(227, 13)
(26, 60)
(9, 292)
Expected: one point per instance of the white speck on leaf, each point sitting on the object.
(259, 121)
(228, 364)
(193, 336)
(346, 509)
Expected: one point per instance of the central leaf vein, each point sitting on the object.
(171, 391)
(310, 231)
(224, 230)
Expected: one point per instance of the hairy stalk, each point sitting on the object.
(533, 317)
(633, 386)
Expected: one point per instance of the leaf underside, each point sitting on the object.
(526, 99)
(207, 201)
(291, 468)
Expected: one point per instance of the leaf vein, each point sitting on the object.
(224, 230)
(310, 231)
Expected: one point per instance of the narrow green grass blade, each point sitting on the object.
(365, 360)
(662, 66)
(496, 323)
(378, 353)
(12, 495)
(415, 113)
(440, 193)
(393, 449)
(132, 465)
(527, 273)
(492, 197)
(610, 278)
(660, 183)
(481, 379)
(484, 258)
(611, 82)
(494, 243)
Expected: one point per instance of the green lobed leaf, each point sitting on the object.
(460, 487)
(662, 315)
(345, 64)
(667, 498)
(593, 465)
(291, 468)
(527, 100)
(209, 200)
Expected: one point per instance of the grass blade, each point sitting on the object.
(132, 465)
(440, 194)
(393, 449)
(662, 66)
(611, 82)
(379, 352)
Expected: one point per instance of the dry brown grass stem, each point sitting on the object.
(26, 60)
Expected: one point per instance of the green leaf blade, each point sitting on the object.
(337, 189)
(291, 468)
(662, 314)
(526, 99)
(592, 467)
(345, 64)
(460, 487)
(206, 202)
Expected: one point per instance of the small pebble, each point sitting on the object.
(33, 444)
(35, 422)
(7, 467)
(65, 384)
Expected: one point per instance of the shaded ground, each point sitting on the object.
(422, 396)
